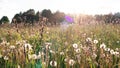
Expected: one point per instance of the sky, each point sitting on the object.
(11, 7)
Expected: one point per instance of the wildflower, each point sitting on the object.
(107, 49)
(95, 41)
(6, 58)
(12, 47)
(71, 62)
(18, 66)
(51, 51)
(75, 46)
(88, 39)
(66, 59)
(33, 56)
(77, 50)
(112, 51)
(103, 46)
(28, 46)
(94, 55)
(48, 45)
(116, 53)
(61, 53)
(118, 41)
(53, 63)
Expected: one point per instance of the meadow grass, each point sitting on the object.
(73, 46)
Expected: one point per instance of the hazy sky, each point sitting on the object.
(11, 7)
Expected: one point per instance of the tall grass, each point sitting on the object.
(76, 46)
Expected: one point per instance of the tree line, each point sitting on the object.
(30, 17)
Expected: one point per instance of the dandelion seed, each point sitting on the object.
(77, 50)
(6, 58)
(53, 63)
(71, 62)
(61, 53)
(51, 51)
(95, 41)
(112, 51)
(88, 39)
(103, 46)
(75, 46)
(18, 66)
(12, 47)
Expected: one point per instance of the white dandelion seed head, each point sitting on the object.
(6, 58)
(112, 51)
(103, 46)
(12, 47)
(88, 39)
(53, 63)
(77, 50)
(62, 53)
(71, 62)
(95, 41)
(75, 46)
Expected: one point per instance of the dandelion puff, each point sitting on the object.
(103, 46)
(71, 62)
(112, 51)
(53, 63)
(6, 58)
(12, 47)
(61, 53)
(75, 46)
(95, 41)
(77, 50)
(88, 39)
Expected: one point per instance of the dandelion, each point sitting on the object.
(61, 53)
(48, 45)
(75, 46)
(107, 49)
(53, 63)
(28, 46)
(112, 51)
(95, 41)
(51, 51)
(77, 50)
(88, 39)
(71, 62)
(18, 66)
(12, 47)
(103, 46)
(6, 58)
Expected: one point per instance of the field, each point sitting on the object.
(67, 46)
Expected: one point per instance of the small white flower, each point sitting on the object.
(18, 66)
(118, 41)
(88, 39)
(71, 62)
(28, 46)
(61, 53)
(75, 46)
(12, 47)
(6, 58)
(53, 63)
(95, 41)
(116, 53)
(107, 49)
(77, 50)
(103, 46)
(51, 51)
(112, 51)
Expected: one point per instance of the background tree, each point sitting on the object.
(4, 19)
